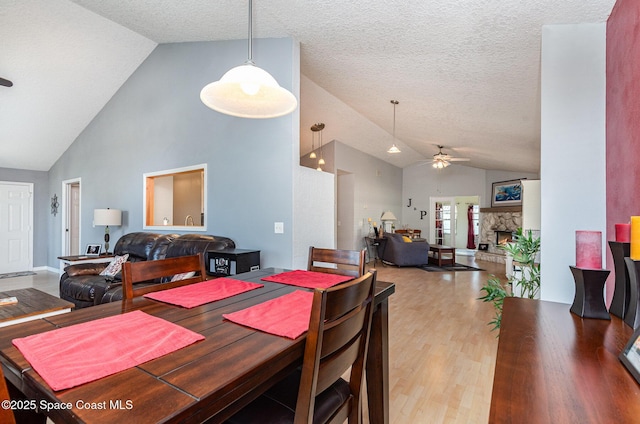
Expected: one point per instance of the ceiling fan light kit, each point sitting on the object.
(442, 160)
(248, 91)
(394, 148)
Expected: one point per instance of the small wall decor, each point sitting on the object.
(506, 193)
(54, 205)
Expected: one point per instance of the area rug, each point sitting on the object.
(16, 274)
(448, 268)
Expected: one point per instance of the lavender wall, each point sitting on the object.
(623, 125)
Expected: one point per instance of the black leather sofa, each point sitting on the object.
(82, 284)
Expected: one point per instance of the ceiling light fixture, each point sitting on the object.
(318, 128)
(248, 91)
(394, 148)
(440, 163)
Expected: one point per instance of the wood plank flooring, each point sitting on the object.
(442, 352)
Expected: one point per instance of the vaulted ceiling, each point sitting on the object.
(466, 73)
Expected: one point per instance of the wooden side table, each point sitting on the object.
(376, 245)
(65, 261)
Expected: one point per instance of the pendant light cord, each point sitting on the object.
(250, 52)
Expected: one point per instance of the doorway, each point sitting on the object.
(16, 227)
(450, 220)
(71, 208)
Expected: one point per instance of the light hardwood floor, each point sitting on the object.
(442, 352)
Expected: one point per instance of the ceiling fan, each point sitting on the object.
(5, 82)
(442, 160)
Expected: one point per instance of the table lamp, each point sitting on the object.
(107, 217)
(387, 217)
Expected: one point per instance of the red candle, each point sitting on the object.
(623, 233)
(589, 249)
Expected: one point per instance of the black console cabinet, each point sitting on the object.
(232, 261)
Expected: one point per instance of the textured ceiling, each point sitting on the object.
(466, 72)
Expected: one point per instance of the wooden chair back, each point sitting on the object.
(6, 413)
(144, 271)
(337, 339)
(347, 262)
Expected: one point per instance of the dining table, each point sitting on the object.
(209, 380)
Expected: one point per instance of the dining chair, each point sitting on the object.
(6, 413)
(336, 261)
(337, 340)
(178, 271)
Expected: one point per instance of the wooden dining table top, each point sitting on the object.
(211, 378)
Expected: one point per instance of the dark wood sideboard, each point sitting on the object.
(555, 367)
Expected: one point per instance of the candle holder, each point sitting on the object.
(589, 299)
(632, 317)
(620, 301)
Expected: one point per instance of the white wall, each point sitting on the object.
(377, 187)
(531, 205)
(572, 147)
(313, 213)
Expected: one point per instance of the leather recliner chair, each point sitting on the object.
(83, 285)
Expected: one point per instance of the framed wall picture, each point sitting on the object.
(93, 249)
(506, 193)
(630, 355)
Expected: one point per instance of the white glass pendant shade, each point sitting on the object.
(248, 91)
(393, 149)
(312, 155)
(321, 161)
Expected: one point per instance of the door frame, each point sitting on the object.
(432, 220)
(65, 216)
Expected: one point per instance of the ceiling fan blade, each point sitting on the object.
(5, 82)
(458, 159)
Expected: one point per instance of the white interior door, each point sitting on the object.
(16, 227)
(71, 207)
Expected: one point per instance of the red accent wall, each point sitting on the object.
(622, 120)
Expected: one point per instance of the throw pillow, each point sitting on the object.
(115, 266)
(183, 276)
(407, 239)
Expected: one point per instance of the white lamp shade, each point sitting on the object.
(107, 217)
(248, 91)
(388, 216)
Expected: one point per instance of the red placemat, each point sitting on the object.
(70, 356)
(308, 279)
(286, 316)
(198, 294)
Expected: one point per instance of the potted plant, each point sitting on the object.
(525, 282)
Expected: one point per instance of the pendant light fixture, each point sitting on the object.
(313, 146)
(394, 148)
(318, 128)
(248, 91)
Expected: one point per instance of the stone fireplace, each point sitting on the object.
(496, 228)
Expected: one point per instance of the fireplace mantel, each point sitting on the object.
(502, 209)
